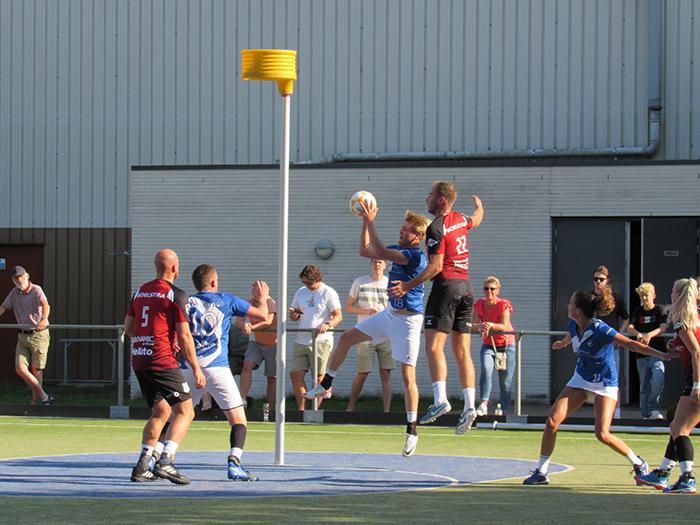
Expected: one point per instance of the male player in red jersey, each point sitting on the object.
(451, 302)
(157, 324)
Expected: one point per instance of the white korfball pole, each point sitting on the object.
(282, 280)
(278, 65)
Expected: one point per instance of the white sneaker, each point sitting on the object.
(315, 392)
(482, 409)
(465, 421)
(655, 414)
(617, 414)
(410, 447)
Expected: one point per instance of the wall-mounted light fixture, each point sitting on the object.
(324, 249)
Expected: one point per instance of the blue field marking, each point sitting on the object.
(304, 474)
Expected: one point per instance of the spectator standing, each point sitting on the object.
(31, 308)
(493, 314)
(157, 323)
(317, 307)
(648, 321)
(368, 297)
(262, 348)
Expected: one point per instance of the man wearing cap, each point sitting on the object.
(31, 309)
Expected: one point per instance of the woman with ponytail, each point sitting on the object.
(595, 378)
(683, 315)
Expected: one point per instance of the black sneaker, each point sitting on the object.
(165, 469)
(141, 473)
(48, 401)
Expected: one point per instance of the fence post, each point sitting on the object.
(120, 411)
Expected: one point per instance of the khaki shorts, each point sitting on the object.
(32, 349)
(367, 351)
(302, 357)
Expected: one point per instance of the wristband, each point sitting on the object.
(696, 386)
(44, 318)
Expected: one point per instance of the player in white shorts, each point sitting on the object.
(595, 378)
(400, 322)
(210, 316)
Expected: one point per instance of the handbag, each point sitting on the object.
(500, 359)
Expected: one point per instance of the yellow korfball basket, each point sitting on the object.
(271, 64)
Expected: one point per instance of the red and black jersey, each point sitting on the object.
(447, 235)
(156, 307)
(686, 357)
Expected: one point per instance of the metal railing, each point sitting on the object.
(120, 347)
(519, 335)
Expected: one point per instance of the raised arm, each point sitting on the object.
(478, 214)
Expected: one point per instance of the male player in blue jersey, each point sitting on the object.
(400, 323)
(210, 314)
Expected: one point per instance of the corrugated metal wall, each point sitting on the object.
(89, 88)
(233, 224)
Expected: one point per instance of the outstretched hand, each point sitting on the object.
(398, 290)
(260, 291)
(368, 213)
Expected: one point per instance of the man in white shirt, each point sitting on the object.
(367, 297)
(317, 308)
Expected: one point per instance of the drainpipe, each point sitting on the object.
(654, 87)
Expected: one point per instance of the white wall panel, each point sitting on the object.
(90, 88)
(513, 242)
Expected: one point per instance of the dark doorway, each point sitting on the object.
(32, 259)
(656, 250)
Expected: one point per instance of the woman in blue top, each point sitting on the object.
(595, 378)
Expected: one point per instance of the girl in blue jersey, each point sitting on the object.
(595, 378)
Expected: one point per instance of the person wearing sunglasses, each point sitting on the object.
(493, 314)
(618, 318)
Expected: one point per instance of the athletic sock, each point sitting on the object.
(440, 392)
(544, 464)
(469, 396)
(327, 380)
(331, 372)
(158, 449)
(411, 416)
(170, 448)
(235, 451)
(686, 466)
(634, 458)
(146, 450)
(667, 464)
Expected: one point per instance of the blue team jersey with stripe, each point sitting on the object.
(413, 300)
(210, 316)
(596, 355)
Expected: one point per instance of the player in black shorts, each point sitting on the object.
(158, 327)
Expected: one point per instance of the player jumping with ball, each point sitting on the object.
(400, 322)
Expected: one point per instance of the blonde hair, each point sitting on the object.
(645, 288)
(418, 222)
(685, 309)
(493, 280)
